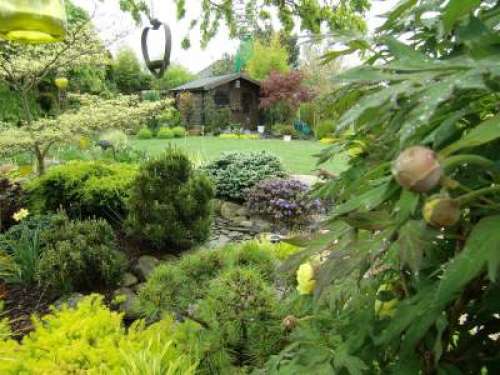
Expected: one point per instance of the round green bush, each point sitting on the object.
(144, 133)
(170, 205)
(83, 189)
(79, 256)
(179, 132)
(165, 133)
(236, 172)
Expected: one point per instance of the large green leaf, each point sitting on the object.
(485, 132)
(415, 237)
(366, 201)
(456, 9)
(418, 313)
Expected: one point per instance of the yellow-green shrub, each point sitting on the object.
(92, 340)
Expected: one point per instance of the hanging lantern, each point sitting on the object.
(157, 65)
(32, 21)
(61, 83)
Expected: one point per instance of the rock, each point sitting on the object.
(138, 287)
(261, 225)
(129, 279)
(219, 242)
(231, 211)
(168, 258)
(145, 265)
(71, 300)
(129, 305)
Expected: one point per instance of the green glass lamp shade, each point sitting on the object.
(32, 21)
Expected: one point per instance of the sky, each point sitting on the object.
(118, 27)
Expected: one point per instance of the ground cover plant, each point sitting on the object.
(235, 173)
(284, 201)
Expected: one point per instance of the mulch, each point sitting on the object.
(21, 303)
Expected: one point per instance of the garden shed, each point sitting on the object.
(236, 91)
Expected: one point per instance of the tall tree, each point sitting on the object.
(267, 58)
(175, 75)
(128, 74)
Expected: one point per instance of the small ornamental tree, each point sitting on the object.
(94, 114)
(284, 93)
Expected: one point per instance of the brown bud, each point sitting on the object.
(417, 169)
(441, 211)
(289, 323)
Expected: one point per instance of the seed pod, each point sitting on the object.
(441, 211)
(417, 169)
(289, 322)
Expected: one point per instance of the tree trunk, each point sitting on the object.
(40, 161)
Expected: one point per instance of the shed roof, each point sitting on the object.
(205, 84)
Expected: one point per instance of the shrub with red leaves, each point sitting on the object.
(285, 90)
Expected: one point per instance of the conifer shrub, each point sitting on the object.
(83, 189)
(79, 256)
(90, 339)
(235, 172)
(175, 286)
(241, 312)
(170, 205)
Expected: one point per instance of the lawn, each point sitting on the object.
(297, 156)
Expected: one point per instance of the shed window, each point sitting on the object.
(221, 98)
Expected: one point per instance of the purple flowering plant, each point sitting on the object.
(283, 200)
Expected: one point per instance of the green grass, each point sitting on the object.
(297, 156)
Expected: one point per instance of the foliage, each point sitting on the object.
(240, 309)
(127, 73)
(11, 105)
(169, 203)
(117, 138)
(21, 250)
(223, 66)
(309, 15)
(144, 133)
(176, 75)
(436, 89)
(175, 286)
(235, 172)
(283, 129)
(97, 344)
(88, 79)
(216, 118)
(83, 189)
(185, 104)
(164, 133)
(285, 201)
(151, 96)
(93, 114)
(324, 129)
(179, 131)
(79, 256)
(228, 292)
(12, 199)
(286, 91)
(266, 59)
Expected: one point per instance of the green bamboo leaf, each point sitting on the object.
(404, 53)
(485, 132)
(455, 10)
